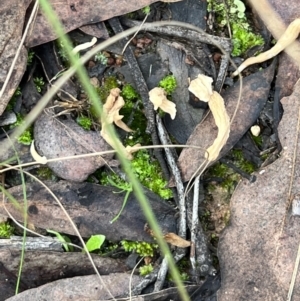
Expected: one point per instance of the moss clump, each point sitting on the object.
(6, 230)
(243, 39)
(27, 136)
(146, 269)
(85, 122)
(30, 57)
(230, 178)
(149, 173)
(168, 83)
(109, 83)
(257, 140)
(233, 13)
(39, 83)
(129, 93)
(141, 248)
(240, 161)
(101, 57)
(45, 173)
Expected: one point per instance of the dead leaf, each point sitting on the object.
(176, 240)
(56, 138)
(78, 13)
(254, 95)
(158, 97)
(257, 251)
(91, 207)
(12, 15)
(37, 271)
(83, 288)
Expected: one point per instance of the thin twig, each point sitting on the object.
(124, 48)
(293, 280)
(163, 136)
(194, 223)
(196, 36)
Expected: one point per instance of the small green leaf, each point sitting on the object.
(95, 242)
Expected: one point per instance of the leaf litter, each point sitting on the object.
(255, 92)
(258, 249)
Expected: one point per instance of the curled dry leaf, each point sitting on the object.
(158, 97)
(201, 87)
(176, 240)
(170, 238)
(113, 104)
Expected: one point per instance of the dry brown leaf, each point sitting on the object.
(55, 138)
(77, 13)
(12, 15)
(255, 92)
(176, 240)
(91, 207)
(201, 87)
(83, 288)
(158, 97)
(258, 249)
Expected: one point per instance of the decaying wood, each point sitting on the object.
(32, 243)
(41, 267)
(84, 288)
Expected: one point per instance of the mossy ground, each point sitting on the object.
(144, 165)
(215, 210)
(233, 13)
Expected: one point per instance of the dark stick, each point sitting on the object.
(183, 33)
(276, 117)
(251, 178)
